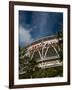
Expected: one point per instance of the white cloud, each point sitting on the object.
(24, 36)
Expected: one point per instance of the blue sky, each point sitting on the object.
(34, 25)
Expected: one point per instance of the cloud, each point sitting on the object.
(24, 36)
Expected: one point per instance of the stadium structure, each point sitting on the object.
(45, 51)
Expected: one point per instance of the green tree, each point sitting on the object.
(26, 64)
(60, 44)
(30, 66)
(60, 40)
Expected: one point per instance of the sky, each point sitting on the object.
(35, 24)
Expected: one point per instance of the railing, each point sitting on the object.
(50, 65)
(48, 58)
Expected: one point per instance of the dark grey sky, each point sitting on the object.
(34, 25)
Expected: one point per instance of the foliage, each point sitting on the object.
(48, 72)
(43, 73)
(28, 64)
(60, 44)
